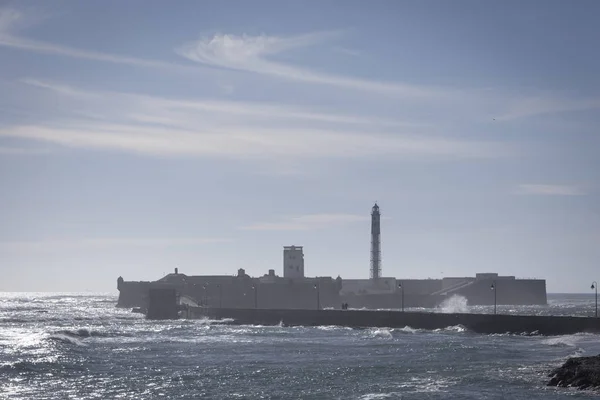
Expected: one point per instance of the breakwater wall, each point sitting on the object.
(480, 323)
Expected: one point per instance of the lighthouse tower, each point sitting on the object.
(375, 243)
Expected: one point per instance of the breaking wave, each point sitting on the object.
(82, 333)
(37, 367)
(455, 328)
(382, 333)
(69, 339)
(408, 329)
(207, 321)
(455, 304)
(561, 341)
(375, 396)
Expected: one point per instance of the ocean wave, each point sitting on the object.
(84, 333)
(561, 341)
(375, 396)
(578, 352)
(408, 329)
(428, 384)
(509, 334)
(22, 309)
(332, 327)
(207, 321)
(28, 366)
(454, 328)
(13, 320)
(382, 333)
(75, 336)
(69, 339)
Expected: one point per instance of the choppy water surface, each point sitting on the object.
(67, 346)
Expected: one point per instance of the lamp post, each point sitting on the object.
(495, 289)
(595, 286)
(255, 288)
(402, 289)
(318, 296)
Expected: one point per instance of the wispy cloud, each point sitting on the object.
(257, 54)
(9, 18)
(21, 151)
(307, 222)
(550, 190)
(256, 109)
(105, 243)
(244, 142)
(159, 126)
(346, 51)
(547, 104)
(251, 54)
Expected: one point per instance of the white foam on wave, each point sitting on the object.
(333, 328)
(207, 321)
(408, 329)
(562, 341)
(456, 328)
(383, 333)
(427, 384)
(327, 327)
(577, 353)
(374, 396)
(61, 337)
(453, 328)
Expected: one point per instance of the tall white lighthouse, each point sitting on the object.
(375, 243)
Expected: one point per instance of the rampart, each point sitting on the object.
(479, 323)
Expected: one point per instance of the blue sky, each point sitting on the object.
(140, 136)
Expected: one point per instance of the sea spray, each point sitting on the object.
(454, 304)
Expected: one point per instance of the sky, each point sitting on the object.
(140, 136)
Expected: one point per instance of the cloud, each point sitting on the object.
(255, 54)
(250, 54)
(242, 142)
(104, 243)
(48, 48)
(272, 111)
(346, 51)
(308, 222)
(550, 190)
(174, 127)
(21, 151)
(549, 104)
(10, 18)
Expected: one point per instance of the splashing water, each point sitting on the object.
(454, 304)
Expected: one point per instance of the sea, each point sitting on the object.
(80, 346)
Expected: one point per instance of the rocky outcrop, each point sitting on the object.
(579, 372)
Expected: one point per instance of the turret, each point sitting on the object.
(293, 262)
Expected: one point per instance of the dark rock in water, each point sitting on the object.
(579, 372)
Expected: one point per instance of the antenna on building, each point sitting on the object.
(375, 243)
